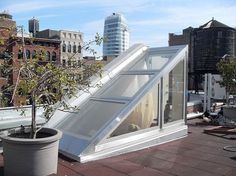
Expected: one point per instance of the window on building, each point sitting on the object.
(75, 36)
(112, 25)
(54, 56)
(69, 62)
(219, 34)
(63, 62)
(34, 54)
(48, 56)
(41, 55)
(64, 47)
(79, 48)
(74, 48)
(69, 48)
(20, 54)
(28, 54)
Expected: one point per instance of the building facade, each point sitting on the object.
(207, 45)
(116, 35)
(71, 46)
(71, 43)
(181, 39)
(7, 28)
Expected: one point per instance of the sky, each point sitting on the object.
(149, 21)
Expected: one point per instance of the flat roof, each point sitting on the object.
(197, 154)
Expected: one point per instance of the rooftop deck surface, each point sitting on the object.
(198, 154)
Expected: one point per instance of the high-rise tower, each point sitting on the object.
(116, 35)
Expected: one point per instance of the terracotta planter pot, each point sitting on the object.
(31, 157)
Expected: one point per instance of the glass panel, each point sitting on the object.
(173, 94)
(158, 62)
(153, 62)
(125, 86)
(141, 65)
(92, 117)
(145, 115)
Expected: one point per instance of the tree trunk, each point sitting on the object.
(227, 97)
(33, 120)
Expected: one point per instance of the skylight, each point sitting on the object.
(140, 103)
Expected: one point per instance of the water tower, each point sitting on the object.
(33, 26)
(5, 15)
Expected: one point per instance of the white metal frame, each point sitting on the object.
(101, 145)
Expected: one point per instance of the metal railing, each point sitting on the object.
(13, 117)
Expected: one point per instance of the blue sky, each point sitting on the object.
(149, 21)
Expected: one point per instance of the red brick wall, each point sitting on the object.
(37, 45)
(3, 81)
(7, 29)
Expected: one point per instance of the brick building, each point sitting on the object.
(33, 48)
(7, 29)
(19, 50)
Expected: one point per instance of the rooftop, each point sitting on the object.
(213, 24)
(198, 154)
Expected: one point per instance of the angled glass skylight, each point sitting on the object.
(141, 103)
(85, 123)
(155, 60)
(124, 86)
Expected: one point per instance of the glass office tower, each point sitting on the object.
(116, 35)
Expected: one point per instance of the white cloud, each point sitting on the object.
(27, 6)
(193, 16)
(48, 16)
(90, 29)
(38, 17)
(105, 5)
(177, 18)
(149, 21)
(199, 14)
(152, 38)
(92, 26)
(124, 6)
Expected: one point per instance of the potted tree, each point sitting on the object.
(34, 150)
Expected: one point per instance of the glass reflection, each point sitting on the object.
(92, 117)
(173, 94)
(145, 115)
(126, 86)
(152, 62)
